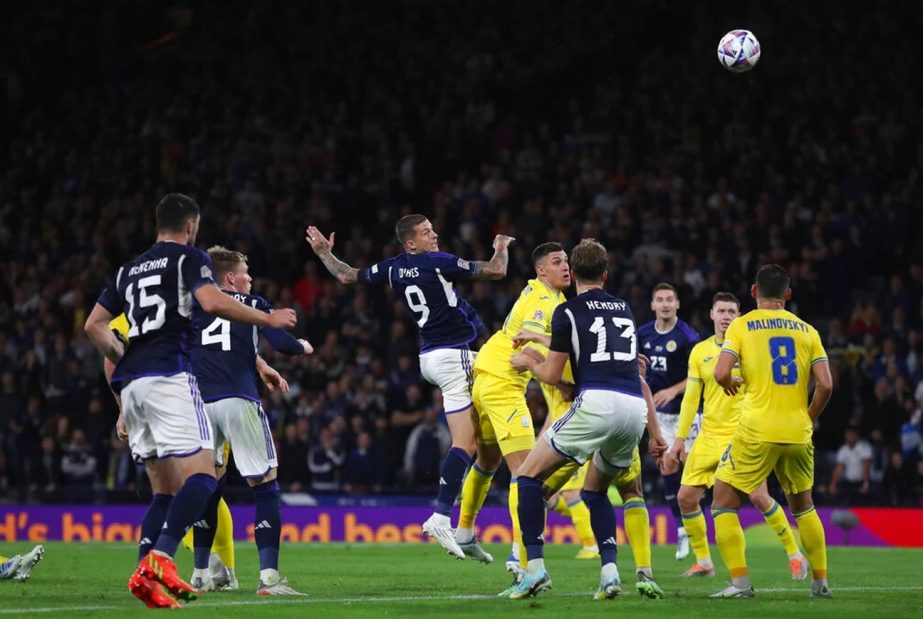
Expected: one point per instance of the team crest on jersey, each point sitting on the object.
(205, 272)
(464, 264)
(671, 345)
(539, 315)
(708, 358)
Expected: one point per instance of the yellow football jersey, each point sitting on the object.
(120, 326)
(776, 350)
(532, 311)
(721, 413)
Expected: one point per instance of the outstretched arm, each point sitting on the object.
(323, 247)
(496, 267)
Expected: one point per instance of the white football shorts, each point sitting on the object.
(165, 417)
(452, 370)
(669, 424)
(243, 424)
(604, 425)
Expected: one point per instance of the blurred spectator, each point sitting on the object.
(852, 475)
(364, 469)
(325, 463)
(426, 446)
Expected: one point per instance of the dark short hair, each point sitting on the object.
(772, 281)
(589, 260)
(728, 297)
(174, 210)
(404, 228)
(544, 249)
(225, 260)
(664, 286)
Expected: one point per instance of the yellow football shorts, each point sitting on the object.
(503, 415)
(571, 475)
(746, 464)
(703, 459)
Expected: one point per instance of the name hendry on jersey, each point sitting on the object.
(606, 305)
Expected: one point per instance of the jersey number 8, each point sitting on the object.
(782, 351)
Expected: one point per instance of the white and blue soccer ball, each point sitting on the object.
(738, 51)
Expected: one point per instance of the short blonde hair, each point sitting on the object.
(225, 260)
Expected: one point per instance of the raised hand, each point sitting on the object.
(317, 241)
(502, 241)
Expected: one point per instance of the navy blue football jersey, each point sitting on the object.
(425, 283)
(669, 355)
(224, 356)
(597, 330)
(155, 292)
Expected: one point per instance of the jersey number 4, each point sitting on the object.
(218, 332)
(622, 348)
(139, 306)
(782, 351)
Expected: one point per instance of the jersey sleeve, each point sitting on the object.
(534, 314)
(109, 299)
(378, 274)
(691, 396)
(197, 270)
(560, 331)
(453, 268)
(732, 338)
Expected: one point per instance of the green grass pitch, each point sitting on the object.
(89, 580)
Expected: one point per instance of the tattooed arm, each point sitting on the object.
(496, 267)
(323, 248)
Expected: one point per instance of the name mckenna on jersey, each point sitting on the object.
(606, 305)
(150, 265)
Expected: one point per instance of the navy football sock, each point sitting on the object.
(267, 524)
(152, 523)
(204, 529)
(531, 512)
(454, 466)
(671, 485)
(602, 519)
(187, 507)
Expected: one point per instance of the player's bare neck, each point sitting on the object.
(172, 237)
(582, 287)
(770, 304)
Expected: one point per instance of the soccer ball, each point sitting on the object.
(738, 51)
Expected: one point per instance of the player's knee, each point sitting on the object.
(468, 445)
(688, 498)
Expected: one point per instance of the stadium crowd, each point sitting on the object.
(555, 126)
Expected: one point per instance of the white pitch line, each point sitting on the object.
(400, 598)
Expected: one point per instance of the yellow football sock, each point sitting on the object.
(730, 537)
(514, 518)
(697, 530)
(473, 494)
(775, 518)
(224, 536)
(814, 541)
(580, 516)
(638, 531)
(187, 539)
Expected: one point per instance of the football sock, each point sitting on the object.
(775, 518)
(204, 529)
(185, 508)
(474, 492)
(671, 485)
(224, 538)
(697, 530)
(815, 544)
(731, 544)
(152, 523)
(514, 518)
(602, 519)
(450, 479)
(638, 531)
(531, 509)
(580, 516)
(267, 525)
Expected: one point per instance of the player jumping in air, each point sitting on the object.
(778, 354)
(224, 361)
(423, 277)
(719, 422)
(163, 412)
(667, 341)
